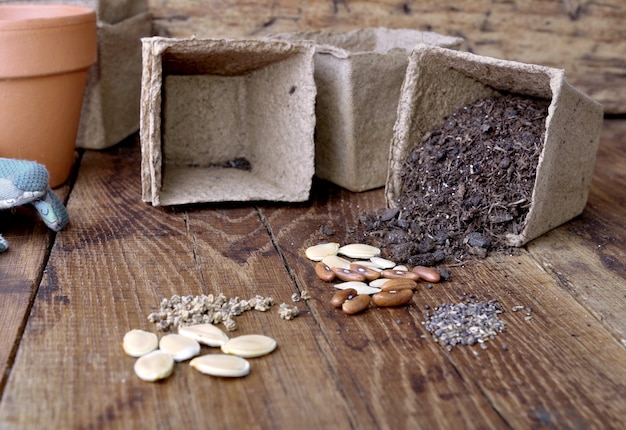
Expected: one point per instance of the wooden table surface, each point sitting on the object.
(68, 299)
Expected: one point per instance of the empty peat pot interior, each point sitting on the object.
(232, 126)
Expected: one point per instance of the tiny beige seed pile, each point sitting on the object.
(367, 278)
(156, 364)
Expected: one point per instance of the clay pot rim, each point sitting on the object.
(36, 16)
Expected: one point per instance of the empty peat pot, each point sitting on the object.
(45, 52)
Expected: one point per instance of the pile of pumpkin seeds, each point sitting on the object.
(156, 357)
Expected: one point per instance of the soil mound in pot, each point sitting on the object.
(466, 184)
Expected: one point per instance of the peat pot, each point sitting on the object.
(358, 75)
(226, 120)
(440, 80)
(45, 53)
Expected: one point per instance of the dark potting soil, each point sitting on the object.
(465, 185)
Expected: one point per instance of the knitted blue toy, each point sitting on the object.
(26, 182)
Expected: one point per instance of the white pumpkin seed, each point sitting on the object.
(139, 342)
(221, 365)
(401, 267)
(317, 252)
(383, 263)
(369, 264)
(249, 345)
(154, 366)
(360, 287)
(206, 334)
(359, 250)
(180, 347)
(336, 261)
(378, 283)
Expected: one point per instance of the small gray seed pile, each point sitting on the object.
(180, 311)
(465, 323)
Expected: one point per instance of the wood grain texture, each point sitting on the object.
(563, 368)
(558, 345)
(587, 39)
(21, 269)
(588, 255)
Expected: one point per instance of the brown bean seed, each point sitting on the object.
(398, 284)
(341, 296)
(347, 274)
(404, 274)
(427, 274)
(357, 304)
(323, 272)
(390, 298)
(369, 274)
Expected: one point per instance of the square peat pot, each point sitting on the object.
(438, 81)
(358, 76)
(226, 120)
(110, 111)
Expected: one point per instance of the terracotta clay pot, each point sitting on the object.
(45, 52)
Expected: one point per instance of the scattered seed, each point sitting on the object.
(359, 250)
(369, 264)
(383, 263)
(360, 287)
(324, 272)
(367, 272)
(341, 296)
(249, 345)
(295, 297)
(336, 261)
(206, 334)
(221, 365)
(154, 366)
(403, 274)
(427, 274)
(465, 323)
(392, 298)
(181, 311)
(356, 304)
(139, 342)
(399, 284)
(347, 274)
(287, 312)
(180, 347)
(318, 252)
(378, 283)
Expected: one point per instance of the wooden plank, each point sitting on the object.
(558, 370)
(563, 368)
(584, 38)
(587, 256)
(111, 268)
(20, 272)
(392, 376)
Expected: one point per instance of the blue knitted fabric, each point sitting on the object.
(25, 175)
(26, 182)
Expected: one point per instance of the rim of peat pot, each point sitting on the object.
(45, 53)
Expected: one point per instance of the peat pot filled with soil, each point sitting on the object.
(486, 154)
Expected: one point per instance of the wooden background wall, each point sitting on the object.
(586, 38)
